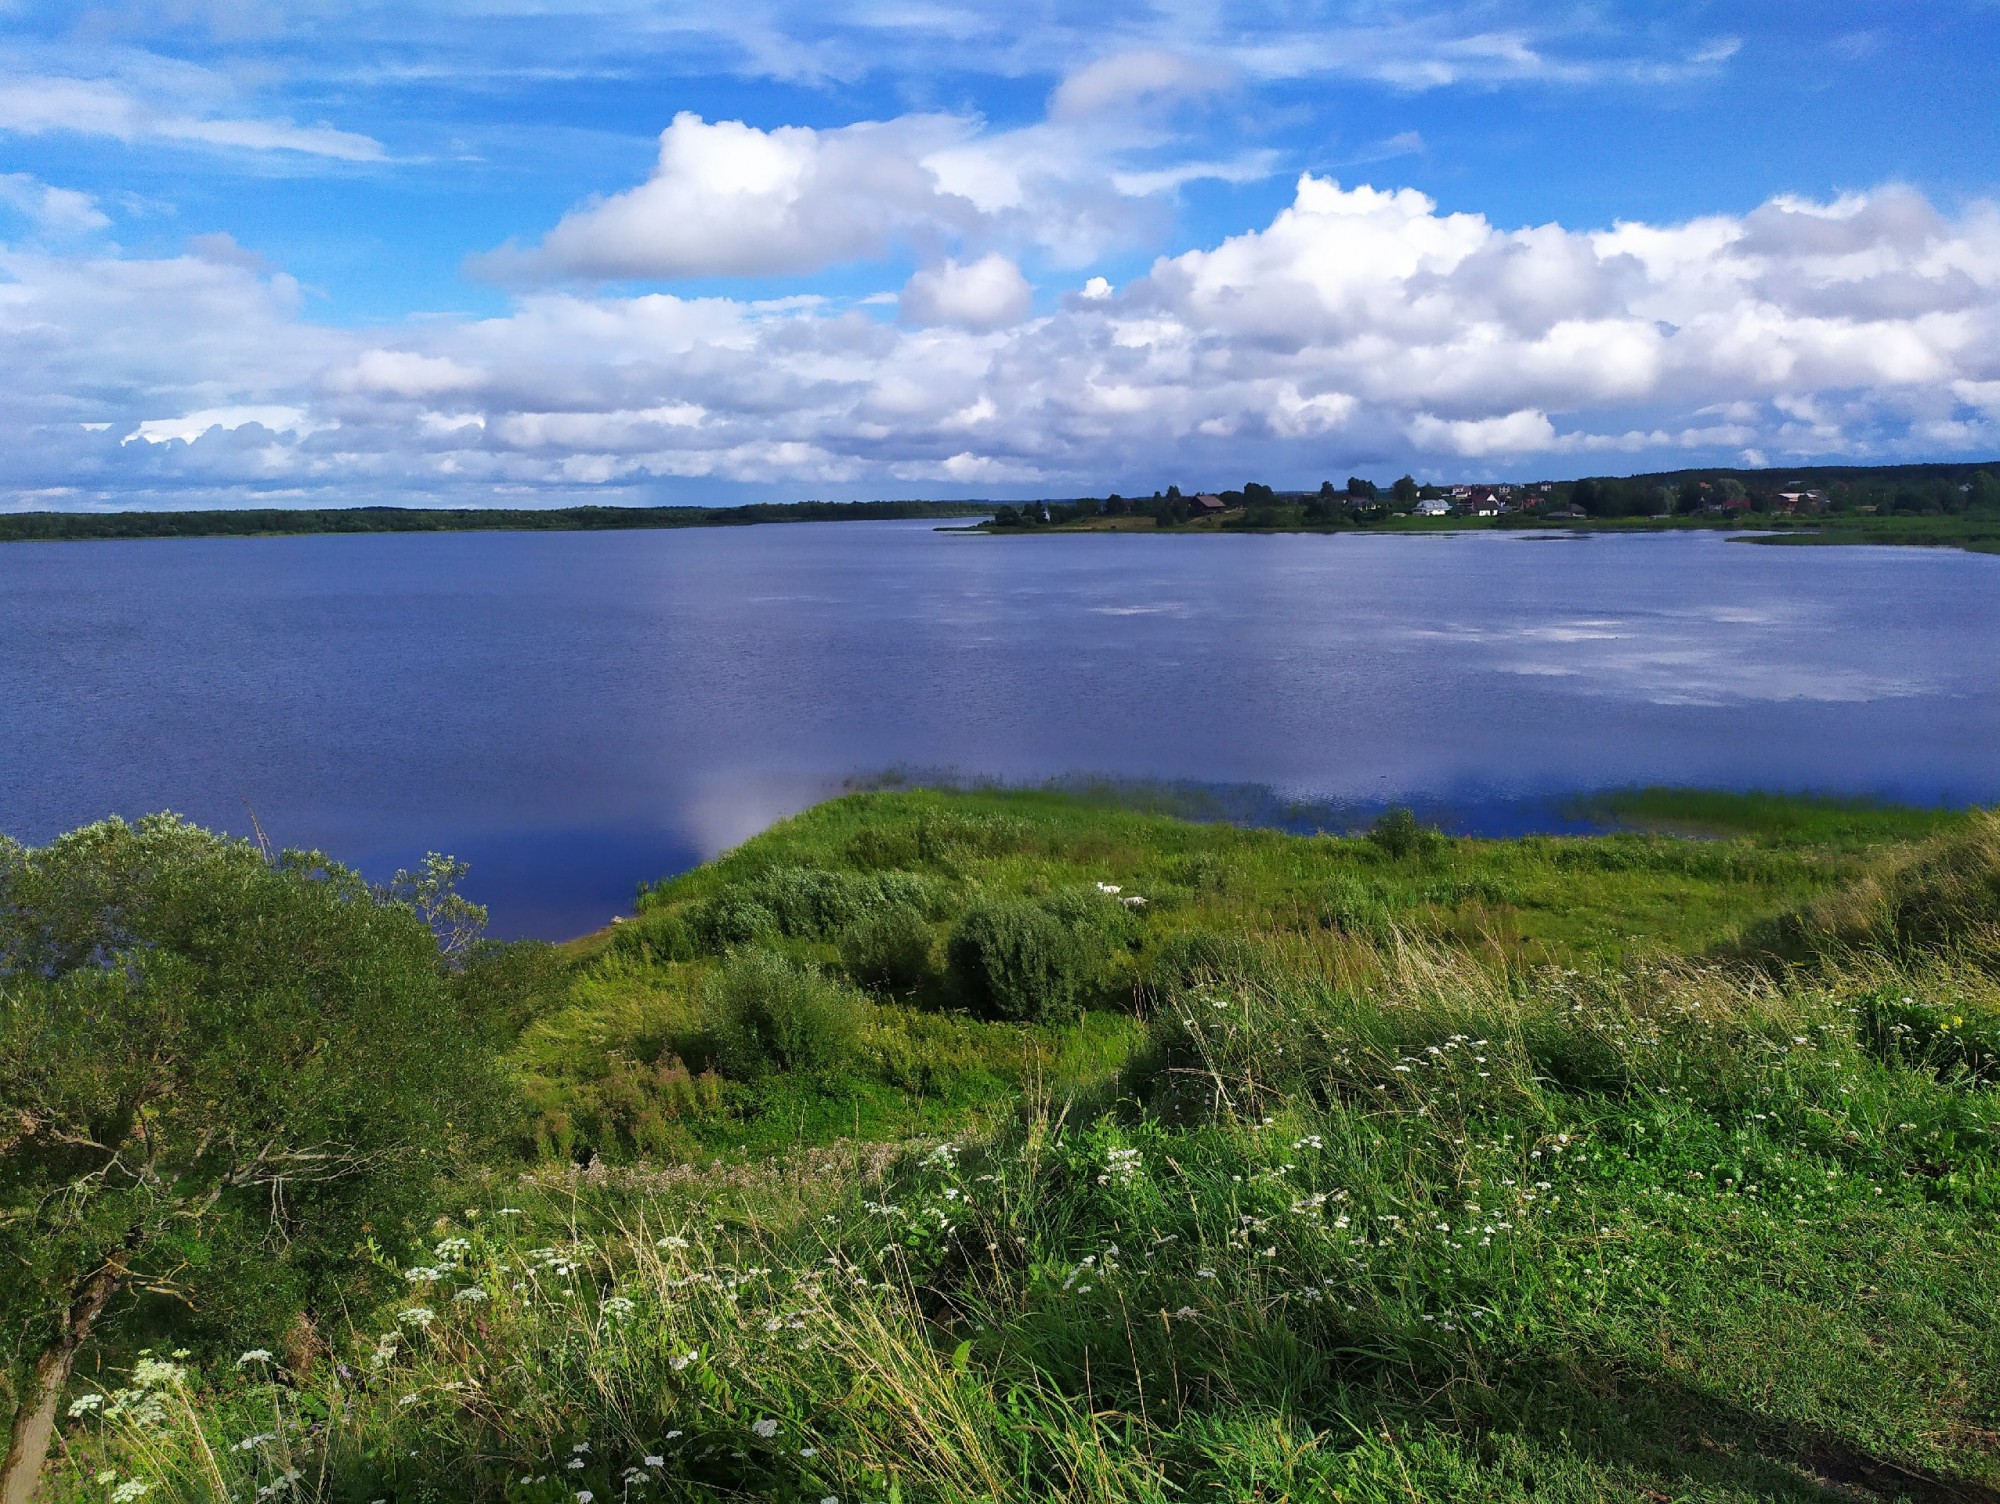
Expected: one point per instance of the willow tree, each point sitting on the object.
(218, 1073)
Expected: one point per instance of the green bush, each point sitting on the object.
(1399, 833)
(808, 903)
(1356, 907)
(768, 1014)
(732, 918)
(221, 1071)
(891, 949)
(1015, 960)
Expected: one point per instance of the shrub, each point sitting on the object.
(733, 918)
(1015, 960)
(768, 1013)
(1400, 834)
(221, 1072)
(808, 903)
(891, 949)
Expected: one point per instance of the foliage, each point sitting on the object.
(892, 948)
(1941, 898)
(1015, 960)
(220, 1073)
(773, 1014)
(1476, 1176)
(1676, 1231)
(1399, 833)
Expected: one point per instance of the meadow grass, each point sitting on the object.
(1312, 1201)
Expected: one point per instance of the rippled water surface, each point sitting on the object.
(575, 712)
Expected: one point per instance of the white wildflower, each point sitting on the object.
(765, 1428)
(255, 1355)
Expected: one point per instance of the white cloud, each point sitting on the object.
(35, 105)
(192, 426)
(1525, 432)
(1360, 328)
(403, 373)
(986, 294)
(1134, 79)
(728, 199)
(53, 211)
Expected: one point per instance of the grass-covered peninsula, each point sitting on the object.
(972, 1146)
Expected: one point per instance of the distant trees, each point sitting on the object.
(219, 1073)
(1924, 490)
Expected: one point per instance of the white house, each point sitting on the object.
(1435, 506)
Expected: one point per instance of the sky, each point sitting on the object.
(543, 252)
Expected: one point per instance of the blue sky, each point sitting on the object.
(534, 253)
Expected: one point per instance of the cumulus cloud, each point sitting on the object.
(191, 426)
(986, 294)
(1360, 326)
(726, 198)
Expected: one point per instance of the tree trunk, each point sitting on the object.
(35, 1420)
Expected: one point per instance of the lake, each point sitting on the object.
(575, 712)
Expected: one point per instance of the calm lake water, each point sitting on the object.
(575, 712)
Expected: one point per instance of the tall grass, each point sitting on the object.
(1438, 1230)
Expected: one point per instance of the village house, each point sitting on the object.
(1206, 506)
(1435, 506)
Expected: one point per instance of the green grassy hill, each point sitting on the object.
(972, 1146)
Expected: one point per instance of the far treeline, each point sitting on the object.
(1828, 496)
(267, 521)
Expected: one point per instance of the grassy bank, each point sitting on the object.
(900, 1154)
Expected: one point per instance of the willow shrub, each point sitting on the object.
(769, 1013)
(220, 1073)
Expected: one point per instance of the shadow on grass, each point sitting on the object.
(1683, 1438)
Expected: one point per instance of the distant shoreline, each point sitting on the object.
(1974, 534)
(283, 522)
